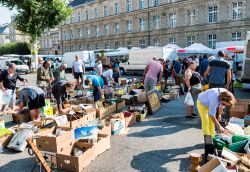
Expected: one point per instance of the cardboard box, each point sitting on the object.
(239, 111)
(90, 116)
(102, 144)
(120, 105)
(75, 123)
(102, 112)
(112, 108)
(50, 158)
(214, 165)
(76, 163)
(59, 144)
(130, 120)
(4, 141)
(117, 125)
(106, 130)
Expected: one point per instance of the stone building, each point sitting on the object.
(50, 43)
(103, 24)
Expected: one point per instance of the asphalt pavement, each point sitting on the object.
(161, 143)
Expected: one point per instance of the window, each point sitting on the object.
(236, 36)
(172, 40)
(106, 44)
(79, 33)
(190, 40)
(142, 43)
(171, 1)
(79, 17)
(106, 29)
(141, 24)
(141, 4)
(96, 31)
(116, 8)
(190, 17)
(129, 7)
(79, 47)
(129, 44)
(105, 11)
(237, 10)
(88, 47)
(71, 34)
(72, 48)
(212, 14)
(156, 42)
(156, 3)
(87, 32)
(65, 35)
(212, 41)
(172, 20)
(71, 19)
(96, 13)
(117, 28)
(87, 15)
(156, 22)
(117, 45)
(97, 46)
(129, 26)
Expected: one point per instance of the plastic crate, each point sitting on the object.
(218, 143)
(237, 138)
(238, 146)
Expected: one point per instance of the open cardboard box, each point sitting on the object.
(76, 163)
(241, 108)
(57, 144)
(129, 121)
(102, 144)
(214, 165)
(106, 130)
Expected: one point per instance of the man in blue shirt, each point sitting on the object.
(203, 65)
(95, 82)
(218, 69)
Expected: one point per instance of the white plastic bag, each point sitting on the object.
(189, 100)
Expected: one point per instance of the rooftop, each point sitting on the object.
(79, 2)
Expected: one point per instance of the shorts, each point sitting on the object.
(216, 85)
(78, 75)
(37, 103)
(149, 83)
(96, 94)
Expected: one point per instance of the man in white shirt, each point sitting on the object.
(78, 70)
(107, 76)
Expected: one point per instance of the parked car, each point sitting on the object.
(21, 66)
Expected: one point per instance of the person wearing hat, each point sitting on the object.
(59, 91)
(97, 83)
(217, 70)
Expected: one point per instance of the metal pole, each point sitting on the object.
(148, 25)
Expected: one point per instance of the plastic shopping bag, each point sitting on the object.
(189, 100)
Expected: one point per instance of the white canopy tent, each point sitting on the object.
(196, 48)
(174, 46)
(231, 49)
(119, 52)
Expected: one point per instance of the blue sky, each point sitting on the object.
(5, 14)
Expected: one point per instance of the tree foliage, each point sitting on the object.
(21, 48)
(36, 16)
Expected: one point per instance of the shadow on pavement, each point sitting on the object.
(155, 160)
(166, 126)
(20, 164)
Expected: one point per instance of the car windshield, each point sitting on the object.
(17, 62)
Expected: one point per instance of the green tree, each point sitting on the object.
(15, 48)
(36, 16)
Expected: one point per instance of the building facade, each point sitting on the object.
(103, 24)
(50, 43)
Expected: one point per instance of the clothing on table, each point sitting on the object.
(218, 72)
(149, 83)
(208, 127)
(210, 98)
(9, 82)
(154, 69)
(33, 96)
(59, 75)
(59, 92)
(78, 66)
